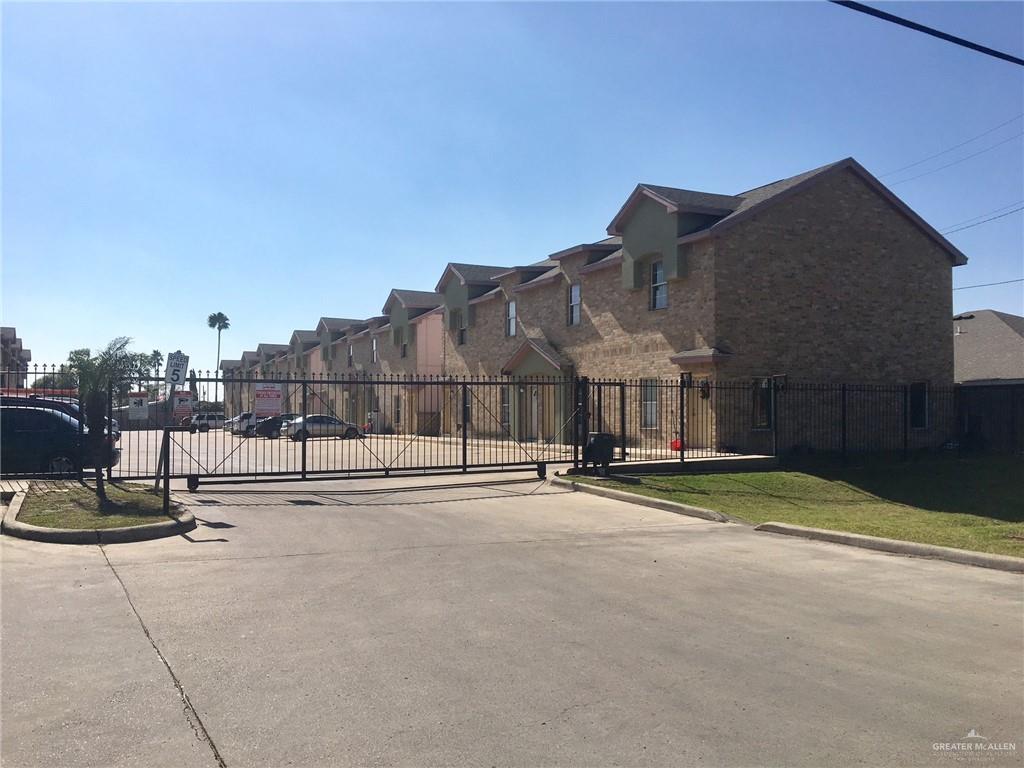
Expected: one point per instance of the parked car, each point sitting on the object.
(244, 424)
(286, 417)
(269, 426)
(321, 425)
(204, 422)
(66, 405)
(36, 440)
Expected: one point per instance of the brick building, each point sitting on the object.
(824, 276)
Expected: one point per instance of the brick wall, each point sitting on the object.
(834, 284)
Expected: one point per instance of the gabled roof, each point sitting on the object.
(468, 274)
(539, 346)
(333, 324)
(226, 365)
(675, 201)
(271, 349)
(758, 199)
(249, 357)
(534, 269)
(413, 299)
(304, 337)
(988, 346)
(605, 247)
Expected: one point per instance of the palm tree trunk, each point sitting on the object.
(216, 373)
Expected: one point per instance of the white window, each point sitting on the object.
(510, 318)
(505, 411)
(649, 404)
(574, 304)
(373, 350)
(349, 355)
(659, 287)
(459, 326)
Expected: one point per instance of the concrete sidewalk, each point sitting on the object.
(510, 624)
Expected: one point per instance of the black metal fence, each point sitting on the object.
(386, 425)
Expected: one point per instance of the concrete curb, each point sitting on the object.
(896, 547)
(644, 501)
(11, 527)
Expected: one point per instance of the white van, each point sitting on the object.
(204, 422)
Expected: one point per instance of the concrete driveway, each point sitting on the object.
(378, 623)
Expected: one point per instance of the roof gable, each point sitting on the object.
(413, 299)
(468, 274)
(675, 201)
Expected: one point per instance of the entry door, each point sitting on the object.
(529, 409)
(698, 414)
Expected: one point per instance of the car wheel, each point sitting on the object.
(204, 428)
(275, 434)
(250, 432)
(61, 465)
(301, 435)
(192, 429)
(351, 432)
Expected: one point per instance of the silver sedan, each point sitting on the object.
(321, 425)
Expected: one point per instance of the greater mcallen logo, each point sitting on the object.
(975, 743)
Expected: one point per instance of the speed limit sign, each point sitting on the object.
(177, 364)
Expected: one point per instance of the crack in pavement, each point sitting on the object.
(194, 721)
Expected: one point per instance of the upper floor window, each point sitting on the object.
(659, 286)
(575, 305)
(458, 326)
(373, 350)
(401, 343)
(510, 318)
(350, 355)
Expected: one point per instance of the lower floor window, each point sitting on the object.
(649, 404)
(762, 404)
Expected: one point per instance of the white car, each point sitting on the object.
(204, 422)
(320, 425)
(243, 424)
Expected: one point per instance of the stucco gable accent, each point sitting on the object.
(533, 346)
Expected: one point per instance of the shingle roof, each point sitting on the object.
(337, 323)
(688, 198)
(414, 299)
(305, 336)
(988, 346)
(753, 200)
(479, 274)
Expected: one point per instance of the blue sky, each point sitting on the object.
(279, 162)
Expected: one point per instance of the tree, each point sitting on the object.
(220, 322)
(114, 368)
(156, 361)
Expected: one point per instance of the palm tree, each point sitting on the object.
(220, 322)
(156, 361)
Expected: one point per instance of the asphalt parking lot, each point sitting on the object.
(398, 622)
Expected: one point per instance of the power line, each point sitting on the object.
(983, 221)
(957, 146)
(986, 213)
(860, 7)
(986, 285)
(957, 162)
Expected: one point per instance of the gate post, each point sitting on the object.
(906, 419)
(575, 422)
(305, 429)
(843, 425)
(775, 418)
(584, 388)
(166, 451)
(622, 418)
(465, 427)
(682, 418)
(110, 428)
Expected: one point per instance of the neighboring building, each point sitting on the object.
(988, 347)
(14, 359)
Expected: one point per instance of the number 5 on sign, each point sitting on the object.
(177, 363)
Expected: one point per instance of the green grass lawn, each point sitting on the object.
(78, 507)
(975, 504)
